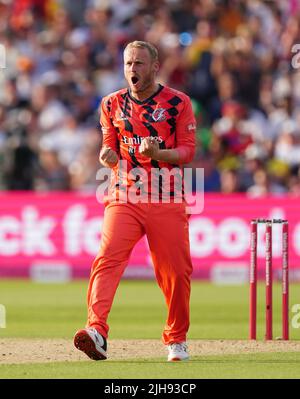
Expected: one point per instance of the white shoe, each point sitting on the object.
(178, 352)
(89, 341)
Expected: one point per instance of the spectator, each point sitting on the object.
(53, 176)
(294, 186)
(229, 181)
(226, 91)
(287, 147)
(263, 185)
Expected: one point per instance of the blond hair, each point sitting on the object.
(148, 46)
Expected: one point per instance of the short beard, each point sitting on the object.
(145, 86)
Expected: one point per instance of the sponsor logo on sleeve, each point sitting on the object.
(191, 127)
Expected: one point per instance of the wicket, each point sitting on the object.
(269, 279)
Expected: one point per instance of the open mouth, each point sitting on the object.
(134, 79)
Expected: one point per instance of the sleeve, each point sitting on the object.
(185, 133)
(110, 137)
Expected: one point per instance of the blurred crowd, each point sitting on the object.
(233, 57)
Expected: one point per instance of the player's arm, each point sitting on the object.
(185, 137)
(109, 152)
(185, 140)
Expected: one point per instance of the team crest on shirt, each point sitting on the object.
(122, 116)
(159, 115)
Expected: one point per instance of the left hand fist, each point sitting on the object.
(149, 147)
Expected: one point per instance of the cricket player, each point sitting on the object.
(150, 127)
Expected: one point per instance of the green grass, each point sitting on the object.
(57, 310)
(256, 366)
(217, 312)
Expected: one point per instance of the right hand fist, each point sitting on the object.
(108, 157)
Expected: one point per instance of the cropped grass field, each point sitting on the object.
(56, 311)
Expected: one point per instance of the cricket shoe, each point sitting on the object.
(89, 341)
(178, 352)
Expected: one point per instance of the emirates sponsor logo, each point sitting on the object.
(137, 140)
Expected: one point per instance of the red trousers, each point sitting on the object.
(166, 228)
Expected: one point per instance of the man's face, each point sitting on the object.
(139, 69)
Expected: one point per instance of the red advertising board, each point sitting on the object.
(62, 231)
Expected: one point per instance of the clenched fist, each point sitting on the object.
(108, 157)
(149, 147)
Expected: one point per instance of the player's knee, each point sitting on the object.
(105, 262)
(179, 276)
